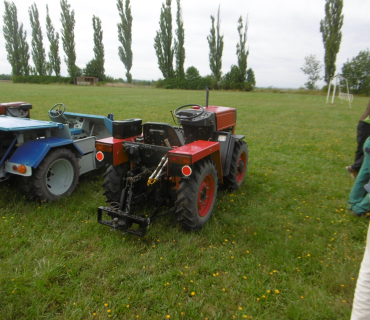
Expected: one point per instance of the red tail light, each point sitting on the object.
(180, 159)
(104, 147)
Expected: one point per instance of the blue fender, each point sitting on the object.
(33, 152)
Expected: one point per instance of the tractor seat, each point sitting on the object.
(155, 133)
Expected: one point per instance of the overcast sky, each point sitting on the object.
(280, 35)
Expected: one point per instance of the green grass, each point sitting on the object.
(286, 229)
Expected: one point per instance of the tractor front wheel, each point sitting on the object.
(196, 197)
(238, 166)
(55, 177)
(113, 181)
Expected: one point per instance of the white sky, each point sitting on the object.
(280, 35)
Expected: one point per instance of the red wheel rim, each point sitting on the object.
(240, 168)
(205, 196)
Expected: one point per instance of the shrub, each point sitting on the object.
(5, 77)
(42, 79)
(177, 83)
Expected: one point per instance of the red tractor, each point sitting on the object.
(179, 167)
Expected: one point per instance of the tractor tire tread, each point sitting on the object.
(113, 182)
(230, 180)
(187, 196)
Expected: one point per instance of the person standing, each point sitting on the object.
(359, 201)
(363, 132)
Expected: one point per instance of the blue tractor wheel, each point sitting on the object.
(56, 177)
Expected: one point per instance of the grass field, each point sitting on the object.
(281, 247)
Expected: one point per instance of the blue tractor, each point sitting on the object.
(48, 156)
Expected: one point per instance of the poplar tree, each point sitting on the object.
(68, 36)
(38, 51)
(54, 58)
(24, 51)
(98, 47)
(240, 48)
(163, 41)
(125, 36)
(330, 28)
(15, 38)
(216, 46)
(179, 43)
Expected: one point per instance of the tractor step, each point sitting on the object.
(123, 221)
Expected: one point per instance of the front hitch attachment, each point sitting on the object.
(123, 221)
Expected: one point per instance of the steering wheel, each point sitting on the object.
(177, 115)
(58, 111)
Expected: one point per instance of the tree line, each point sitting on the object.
(356, 70)
(167, 48)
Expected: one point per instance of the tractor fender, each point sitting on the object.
(190, 153)
(31, 153)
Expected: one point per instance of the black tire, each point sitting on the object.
(238, 166)
(56, 176)
(113, 181)
(26, 186)
(193, 207)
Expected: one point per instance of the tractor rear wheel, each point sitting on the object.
(113, 181)
(238, 166)
(55, 177)
(196, 197)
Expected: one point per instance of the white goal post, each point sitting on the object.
(342, 96)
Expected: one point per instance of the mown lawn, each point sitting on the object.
(281, 247)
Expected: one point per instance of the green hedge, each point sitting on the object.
(42, 79)
(5, 77)
(177, 83)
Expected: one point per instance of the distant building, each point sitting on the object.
(85, 81)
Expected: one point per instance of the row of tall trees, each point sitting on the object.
(18, 48)
(166, 51)
(167, 46)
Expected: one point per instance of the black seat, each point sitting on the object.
(155, 133)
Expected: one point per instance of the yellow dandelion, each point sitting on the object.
(168, 316)
(240, 308)
(193, 293)
(277, 291)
